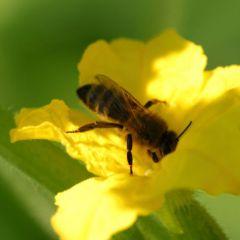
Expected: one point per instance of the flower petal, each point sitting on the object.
(121, 60)
(175, 67)
(102, 150)
(98, 208)
(207, 156)
(167, 68)
(220, 80)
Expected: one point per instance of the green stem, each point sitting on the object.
(189, 220)
(181, 218)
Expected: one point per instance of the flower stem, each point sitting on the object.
(181, 218)
(185, 218)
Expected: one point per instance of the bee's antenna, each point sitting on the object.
(184, 130)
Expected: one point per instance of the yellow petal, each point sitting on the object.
(207, 156)
(98, 208)
(175, 68)
(103, 151)
(121, 60)
(220, 80)
(167, 67)
(48, 122)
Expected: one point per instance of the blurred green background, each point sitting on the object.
(41, 43)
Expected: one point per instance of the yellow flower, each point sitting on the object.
(207, 157)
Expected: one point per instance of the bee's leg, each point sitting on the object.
(97, 124)
(129, 152)
(153, 155)
(152, 102)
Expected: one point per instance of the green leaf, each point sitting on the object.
(15, 222)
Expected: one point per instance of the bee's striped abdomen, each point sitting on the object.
(104, 101)
(107, 98)
(90, 94)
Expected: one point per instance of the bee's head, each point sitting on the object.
(168, 142)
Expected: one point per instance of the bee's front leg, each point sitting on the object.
(152, 102)
(153, 155)
(129, 152)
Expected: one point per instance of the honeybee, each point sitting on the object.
(108, 99)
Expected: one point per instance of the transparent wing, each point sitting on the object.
(128, 97)
(124, 101)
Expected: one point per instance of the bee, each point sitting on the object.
(125, 112)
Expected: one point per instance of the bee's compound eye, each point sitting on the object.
(166, 149)
(169, 142)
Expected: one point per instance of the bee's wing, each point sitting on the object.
(110, 84)
(122, 97)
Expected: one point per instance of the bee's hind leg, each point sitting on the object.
(97, 124)
(129, 152)
(152, 102)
